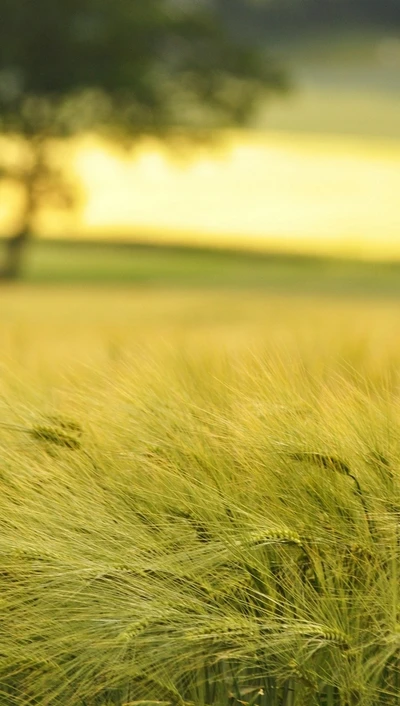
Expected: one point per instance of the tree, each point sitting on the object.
(126, 67)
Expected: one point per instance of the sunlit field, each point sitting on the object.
(272, 191)
(318, 172)
(267, 191)
(200, 498)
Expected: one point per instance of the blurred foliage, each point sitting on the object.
(80, 64)
(123, 67)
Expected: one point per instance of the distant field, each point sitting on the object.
(320, 165)
(177, 267)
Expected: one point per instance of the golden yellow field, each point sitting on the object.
(288, 191)
(59, 327)
(199, 498)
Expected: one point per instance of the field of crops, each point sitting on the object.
(199, 499)
(97, 263)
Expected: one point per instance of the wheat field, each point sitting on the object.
(200, 498)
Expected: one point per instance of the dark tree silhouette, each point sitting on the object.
(127, 67)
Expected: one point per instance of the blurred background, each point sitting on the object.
(239, 142)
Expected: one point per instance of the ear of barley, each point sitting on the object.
(56, 436)
(222, 629)
(29, 553)
(326, 634)
(324, 460)
(134, 630)
(306, 676)
(279, 535)
(65, 424)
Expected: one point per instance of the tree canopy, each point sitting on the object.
(142, 66)
(128, 67)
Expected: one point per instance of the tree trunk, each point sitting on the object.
(16, 245)
(15, 248)
(29, 180)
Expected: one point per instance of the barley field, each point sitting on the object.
(200, 498)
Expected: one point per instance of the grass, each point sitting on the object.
(177, 267)
(199, 498)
